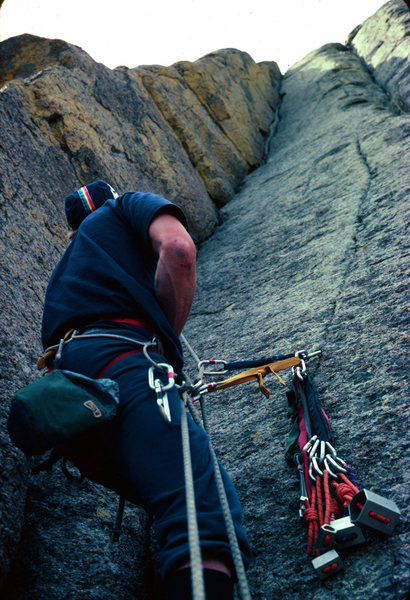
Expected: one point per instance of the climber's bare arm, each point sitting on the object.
(175, 273)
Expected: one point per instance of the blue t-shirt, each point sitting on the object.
(108, 272)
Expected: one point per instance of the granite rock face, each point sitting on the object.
(383, 42)
(220, 108)
(99, 123)
(105, 123)
(319, 262)
(311, 253)
(66, 120)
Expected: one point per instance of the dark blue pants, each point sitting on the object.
(148, 451)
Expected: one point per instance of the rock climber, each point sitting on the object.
(129, 270)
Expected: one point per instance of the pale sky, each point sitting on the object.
(134, 32)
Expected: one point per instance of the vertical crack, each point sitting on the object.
(363, 159)
(352, 250)
(272, 129)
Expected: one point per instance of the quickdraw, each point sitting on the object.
(335, 510)
(258, 371)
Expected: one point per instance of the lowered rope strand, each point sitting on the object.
(197, 578)
(191, 350)
(226, 512)
(230, 529)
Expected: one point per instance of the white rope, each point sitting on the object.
(229, 525)
(226, 512)
(191, 350)
(197, 576)
(230, 529)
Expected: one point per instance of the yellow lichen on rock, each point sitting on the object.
(239, 96)
(26, 54)
(213, 155)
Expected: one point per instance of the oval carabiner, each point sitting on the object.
(328, 469)
(316, 467)
(151, 378)
(203, 363)
(334, 461)
(310, 443)
(313, 449)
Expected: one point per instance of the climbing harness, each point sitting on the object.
(156, 373)
(185, 390)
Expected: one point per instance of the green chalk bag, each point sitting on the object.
(58, 407)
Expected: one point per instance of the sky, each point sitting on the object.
(135, 32)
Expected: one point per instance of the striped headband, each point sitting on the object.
(86, 199)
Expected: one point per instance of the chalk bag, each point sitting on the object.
(58, 407)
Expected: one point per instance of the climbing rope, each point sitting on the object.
(229, 525)
(230, 529)
(332, 505)
(197, 578)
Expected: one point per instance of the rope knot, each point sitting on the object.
(344, 493)
(311, 515)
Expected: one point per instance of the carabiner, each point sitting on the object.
(316, 467)
(298, 372)
(59, 351)
(332, 450)
(171, 376)
(334, 461)
(203, 363)
(322, 452)
(310, 443)
(161, 394)
(328, 469)
(313, 354)
(313, 449)
(163, 405)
